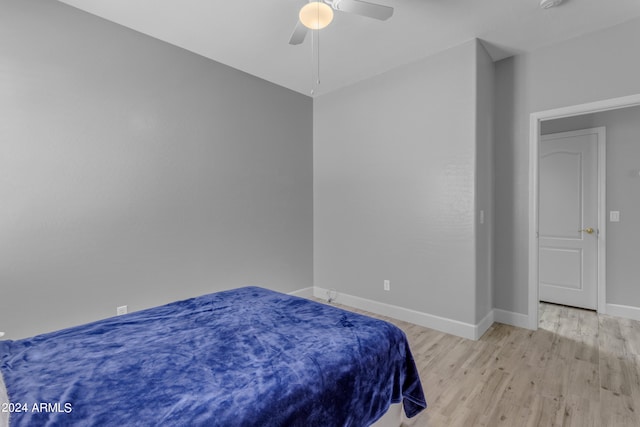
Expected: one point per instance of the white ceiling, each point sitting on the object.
(253, 35)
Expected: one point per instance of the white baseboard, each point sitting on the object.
(303, 293)
(443, 324)
(626, 311)
(484, 325)
(511, 318)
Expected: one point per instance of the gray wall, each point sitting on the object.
(394, 186)
(623, 194)
(134, 172)
(593, 67)
(484, 181)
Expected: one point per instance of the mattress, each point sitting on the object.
(249, 357)
(4, 404)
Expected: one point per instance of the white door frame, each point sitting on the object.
(534, 171)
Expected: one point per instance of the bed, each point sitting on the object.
(244, 357)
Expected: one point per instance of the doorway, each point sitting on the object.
(534, 195)
(571, 216)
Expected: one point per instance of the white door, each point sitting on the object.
(568, 218)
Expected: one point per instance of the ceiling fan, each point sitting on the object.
(317, 14)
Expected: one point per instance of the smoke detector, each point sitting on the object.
(546, 4)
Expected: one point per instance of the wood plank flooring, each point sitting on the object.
(577, 369)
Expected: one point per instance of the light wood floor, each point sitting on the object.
(577, 369)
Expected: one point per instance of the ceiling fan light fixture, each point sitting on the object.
(316, 15)
(547, 4)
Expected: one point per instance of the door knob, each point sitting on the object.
(588, 230)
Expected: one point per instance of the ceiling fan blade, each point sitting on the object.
(299, 33)
(376, 11)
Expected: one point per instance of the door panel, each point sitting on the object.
(561, 177)
(563, 267)
(568, 257)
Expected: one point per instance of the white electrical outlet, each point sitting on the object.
(387, 285)
(1, 334)
(121, 310)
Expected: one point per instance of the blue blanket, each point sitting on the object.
(245, 357)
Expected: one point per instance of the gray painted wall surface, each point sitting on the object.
(593, 67)
(394, 186)
(134, 172)
(623, 194)
(484, 181)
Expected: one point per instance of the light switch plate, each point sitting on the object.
(614, 216)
